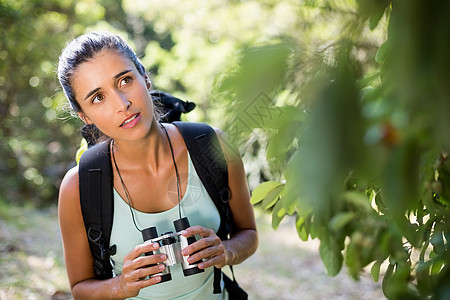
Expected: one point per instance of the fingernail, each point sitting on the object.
(184, 252)
(200, 265)
(163, 257)
(161, 267)
(184, 232)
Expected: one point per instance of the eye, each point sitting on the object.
(98, 98)
(125, 81)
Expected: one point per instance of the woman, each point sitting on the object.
(107, 86)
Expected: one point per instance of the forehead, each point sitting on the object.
(100, 70)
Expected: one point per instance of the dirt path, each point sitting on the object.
(284, 267)
(31, 260)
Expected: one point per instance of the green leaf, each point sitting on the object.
(375, 19)
(262, 190)
(437, 241)
(383, 52)
(272, 197)
(376, 16)
(353, 259)
(339, 221)
(424, 280)
(288, 202)
(437, 266)
(385, 285)
(375, 270)
(331, 254)
(278, 145)
(358, 199)
(281, 209)
(301, 227)
(277, 215)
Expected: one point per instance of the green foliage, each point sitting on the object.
(340, 107)
(32, 146)
(355, 138)
(38, 137)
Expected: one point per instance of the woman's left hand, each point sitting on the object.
(209, 248)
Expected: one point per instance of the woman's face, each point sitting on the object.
(114, 96)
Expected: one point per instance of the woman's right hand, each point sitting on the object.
(79, 260)
(136, 269)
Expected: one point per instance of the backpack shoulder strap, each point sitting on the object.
(96, 199)
(209, 162)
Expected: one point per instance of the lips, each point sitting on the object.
(131, 121)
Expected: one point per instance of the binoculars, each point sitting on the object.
(172, 244)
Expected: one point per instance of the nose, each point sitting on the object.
(123, 104)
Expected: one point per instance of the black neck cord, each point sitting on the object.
(130, 204)
(125, 189)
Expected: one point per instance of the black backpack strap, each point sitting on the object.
(96, 199)
(209, 162)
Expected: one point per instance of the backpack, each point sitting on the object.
(96, 194)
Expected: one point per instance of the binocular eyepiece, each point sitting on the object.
(172, 244)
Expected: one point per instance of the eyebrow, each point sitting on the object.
(97, 89)
(91, 93)
(122, 73)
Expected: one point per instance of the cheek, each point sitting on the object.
(146, 100)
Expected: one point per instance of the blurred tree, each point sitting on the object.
(355, 136)
(36, 145)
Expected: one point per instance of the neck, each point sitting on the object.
(149, 152)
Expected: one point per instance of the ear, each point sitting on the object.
(84, 118)
(147, 82)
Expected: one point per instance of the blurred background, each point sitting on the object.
(338, 108)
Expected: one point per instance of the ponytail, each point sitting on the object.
(92, 134)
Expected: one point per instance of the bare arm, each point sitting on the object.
(79, 261)
(244, 239)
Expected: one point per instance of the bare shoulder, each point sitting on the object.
(69, 184)
(69, 195)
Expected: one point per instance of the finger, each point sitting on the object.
(218, 261)
(138, 250)
(136, 285)
(206, 253)
(198, 230)
(201, 244)
(142, 273)
(143, 261)
(132, 273)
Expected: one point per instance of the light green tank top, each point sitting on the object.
(200, 209)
